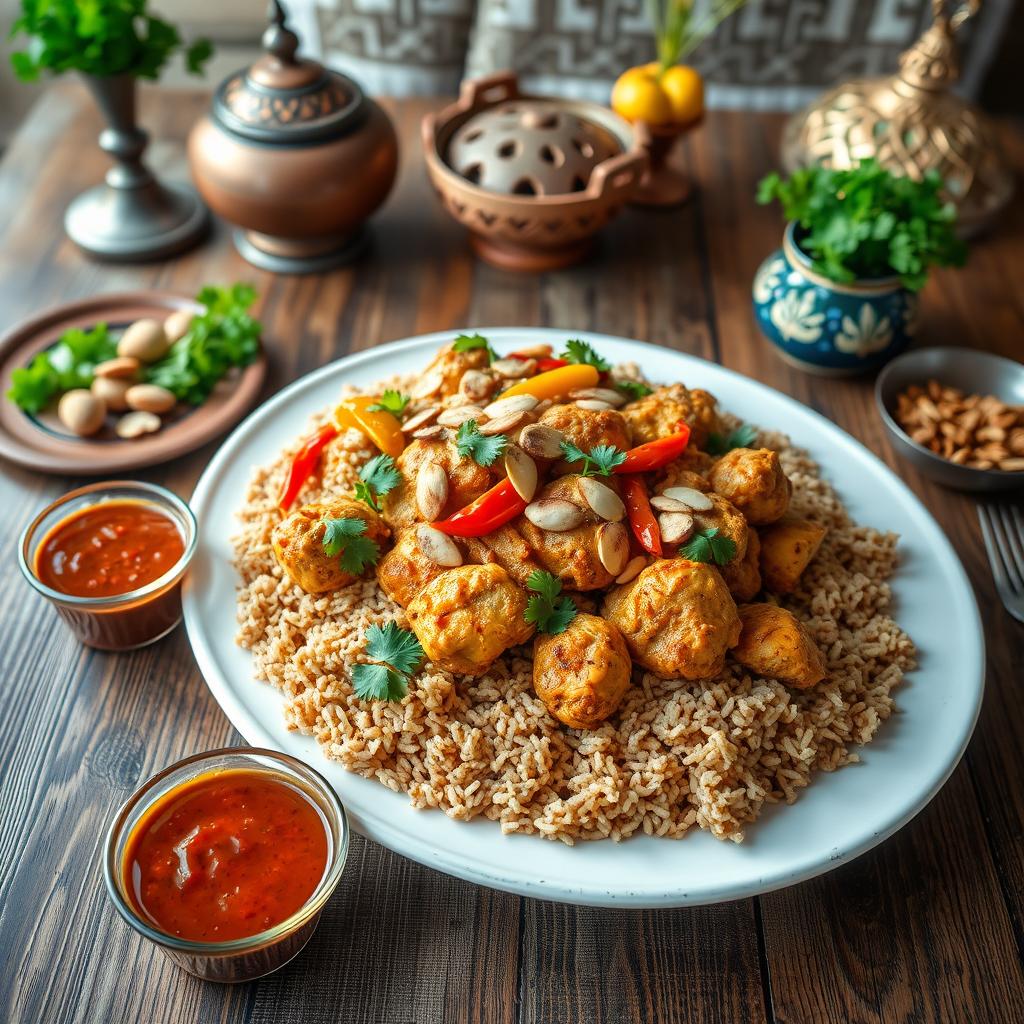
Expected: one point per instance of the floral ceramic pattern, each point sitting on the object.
(768, 278)
(870, 333)
(794, 317)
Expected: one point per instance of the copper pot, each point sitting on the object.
(296, 156)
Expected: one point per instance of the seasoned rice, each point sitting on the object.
(676, 755)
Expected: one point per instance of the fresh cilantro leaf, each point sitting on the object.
(378, 682)
(578, 351)
(398, 647)
(33, 386)
(376, 478)
(599, 461)
(468, 342)
(545, 609)
(742, 437)
(481, 449)
(633, 388)
(709, 546)
(391, 401)
(346, 537)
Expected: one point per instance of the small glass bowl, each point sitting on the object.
(120, 622)
(238, 959)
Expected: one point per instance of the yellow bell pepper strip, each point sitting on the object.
(494, 508)
(304, 462)
(381, 427)
(555, 383)
(655, 454)
(641, 519)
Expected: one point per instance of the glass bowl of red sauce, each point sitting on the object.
(226, 860)
(110, 557)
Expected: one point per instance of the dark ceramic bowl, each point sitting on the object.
(972, 372)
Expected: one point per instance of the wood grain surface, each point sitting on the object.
(929, 927)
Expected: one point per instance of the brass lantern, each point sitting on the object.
(912, 123)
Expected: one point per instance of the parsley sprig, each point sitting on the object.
(347, 539)
(633, 388)
(483, 450)
(391, 401)
(468, 342)
(578, 351)
(742, 437)
(545, 609)
(709, 546)
(599, 461)
(376, 478)
(400, 655)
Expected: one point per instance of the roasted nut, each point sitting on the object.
(459, 415)
(502, 424)
(592, 406)
(144, 340)
(675, 527)
(177, 324)
(515, 403)
(613, 547)
(541, 442)
(513, 369)
(431, 490)
(135, 424)
(690, 497)
(615, 398)
(634, 567)
(554, 514)
(438, 546)
(476, 385)
(435, 430)
(112, 391)
(421, 419)
(123, 368)
(81, 411)
(150, 398)
(521, 471)
(602, 500)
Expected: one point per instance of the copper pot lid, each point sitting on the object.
(285, 99)
(531, 147)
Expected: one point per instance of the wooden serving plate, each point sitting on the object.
(42, 442)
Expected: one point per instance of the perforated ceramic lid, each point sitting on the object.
(530, 147)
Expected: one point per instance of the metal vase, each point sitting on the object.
(132, 216)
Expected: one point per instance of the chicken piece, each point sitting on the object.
(787, 548)
(466, 481)
(660, 412)
(571, 555)
(753, 480)
(506, 547)
(774, 643)
(298, 542)
(689, 470)
(405, 570)
(467, 616)
(743, 575)
(677, 617)
(586, 429)
(442, 376)
(582, 673)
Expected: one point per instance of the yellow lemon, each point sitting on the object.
(684, 88)
(638, 96)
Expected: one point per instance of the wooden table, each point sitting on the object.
(929, 927)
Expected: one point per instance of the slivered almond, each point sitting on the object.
(690, 497)
(421, 419)
(634, 567)
(541, 442)
(121, 368)
(438, 546)
(554, 514)
(459, 415)
(666, 504)
(613, 547)
(515, 403)
(502, 424)
(476, 385)
(542, 406)
(602, 499)
(512, 369)
(428, 385)
(434, 431)
(522, 472)
(615, 398)
(675, 527)
(431, 490)
(591, 405)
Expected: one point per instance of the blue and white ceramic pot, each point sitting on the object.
(830, 327)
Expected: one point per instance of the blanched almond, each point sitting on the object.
(476, 385)
(112, 391)
(431, 433)
(135, 424)
(542, 442)
(675, 527)
(615, 398)
(144, 340)
(150, 398)
(665, 504)
(613, 547)
(515, 403)
(428, 385)
(602, 499)
(521, 471)
(459, 415)
(177, 324)
(634, 567)
(555, 514)
(592, 406)
(690, 497)
(438, 546)
(123, 367)
(512, 369)
(81, 411)
(421, 419)
(502, 424)
(431, 490)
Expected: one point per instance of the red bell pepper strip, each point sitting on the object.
(304, 462)
(655, 454)
(492, 509)
(550, 363)
(641, 518)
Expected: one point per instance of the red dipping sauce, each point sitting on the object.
(226, 855)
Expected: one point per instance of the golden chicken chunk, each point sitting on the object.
(753, 480)
(774, 643)
(442, 376)
(405, 570)
(506, 547)
(677, 617)
(298, 542)
(469, 615)
(586, 428)
(582, 673)
(787, 548)
(466, 481)
(660, 413)
(722, 516)
(743, 575)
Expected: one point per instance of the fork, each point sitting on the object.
(1002, 526)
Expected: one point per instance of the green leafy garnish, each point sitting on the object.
(391, 401)
(468, 342)
(401, 653)
(220, 337)
(709, 546)
(599, 461)
(545, 609)
(633, 388)
(578, 351)
(483, 450)
(866, 222)
(376, 478)
(346, 537)
(742, 437)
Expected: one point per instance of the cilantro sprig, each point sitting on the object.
(347, 538)
(599, 461)
(399, 655)
(468, 342)
(578, 351)
(633, 388)
(391, 401)
(483, 450)
(742, 437)
(709, 546)
(376, 478)
(545, 609)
